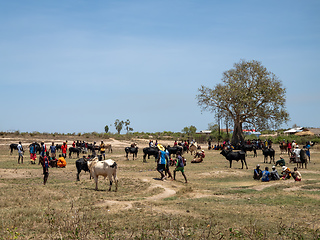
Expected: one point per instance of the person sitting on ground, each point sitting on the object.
(179, 167)
(281, 162)
(286, 173)
(257, 173)
(61, 162)
(53, 161)
(296, 174)
(265, 175)
(274, 174)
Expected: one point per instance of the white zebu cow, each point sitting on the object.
(106, 168)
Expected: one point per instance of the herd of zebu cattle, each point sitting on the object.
(107, 168)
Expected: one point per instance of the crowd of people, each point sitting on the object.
(266, 175)
(48, 158)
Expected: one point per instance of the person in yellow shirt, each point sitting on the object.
(103, 150)
(61, 162)
(286, 173)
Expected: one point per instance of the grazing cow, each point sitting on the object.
(150, 151)
(132, 150)
(74, 150)
(230, 155)
(303, 159)
(268, 152)
(249, 147)
(58, 147)
(283, 147)
(13, 146)
(197, 160)
(109, 147)
(81, 164)
(192, 148)
(174, 150)
(105, 168)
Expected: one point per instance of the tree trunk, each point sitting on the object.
(237, 136)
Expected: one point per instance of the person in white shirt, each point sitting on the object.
(20, 151)
(296, 152)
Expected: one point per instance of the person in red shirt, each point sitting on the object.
(64, 148)
(289, 145)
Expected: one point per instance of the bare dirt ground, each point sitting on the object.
(212, 184)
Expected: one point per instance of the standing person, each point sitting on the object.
(64, 148)
(33, 155)
(307, 147)
(257, 173)
(179, 167)
(94, 149)
(53, 150)
(296, 152)
(20, 152)
(296, 174)
(161, 161)
(265, 175)
(167, 170)
(45, 167)
(289, 145)
(43, 151)
(103, 150)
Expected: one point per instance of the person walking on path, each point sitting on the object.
(161, 161)
(20, 152)
(179, 167)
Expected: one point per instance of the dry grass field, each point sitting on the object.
(216, 203)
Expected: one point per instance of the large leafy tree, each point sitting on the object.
(249, 94)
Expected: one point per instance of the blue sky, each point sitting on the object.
(76, 66)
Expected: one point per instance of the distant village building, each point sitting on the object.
(301, 131)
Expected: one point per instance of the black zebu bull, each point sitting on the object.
(13, 146)
(132, 150)
(249, 148)
(150, 151)
(74, 150)
(303, 159)
(81, 164)
(58, 147)
(268, 152)
(230, 155)
(174, 150)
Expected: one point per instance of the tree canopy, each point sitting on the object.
(249, 94)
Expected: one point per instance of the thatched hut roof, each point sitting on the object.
(305, 133)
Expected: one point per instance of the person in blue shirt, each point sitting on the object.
(161, 161)
(307, 147)
(265, 175)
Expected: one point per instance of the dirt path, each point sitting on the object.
(125, 205)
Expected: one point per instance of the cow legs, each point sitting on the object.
(230, 163)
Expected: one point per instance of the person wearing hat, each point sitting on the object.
(274, 175)
(296, 153)
(257, 173)
(161, 161)
(286, 173)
